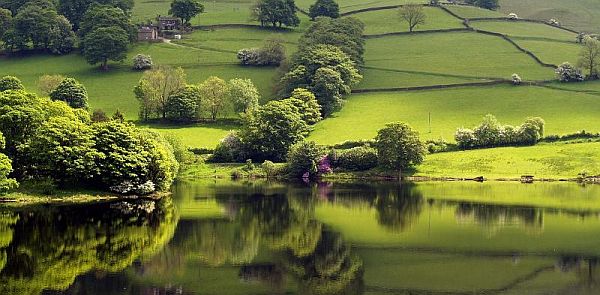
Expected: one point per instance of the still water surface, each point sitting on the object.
(272, 238)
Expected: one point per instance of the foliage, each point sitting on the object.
(183, 104)
(589, 57)
(328, 8)
(182, 153)
(398, 146)
(186, 9)
(71, 92)
(104, 44)
(6, 183)
(47, 83)
(491, 134)
(357, 158)
(243, 95)
(568, 73)
(99, 115)
(345, 33)
(276, 13)
(324, 70)
(142, 62)
(516, 79)
(307, 105)
(40, 28)
(154, 89)
(10, 83)
(75, 10)
(5, 21)
(303, 159)
(272, 53)
(214, 92)
(274, 128)
(413, 14)
(229, 150)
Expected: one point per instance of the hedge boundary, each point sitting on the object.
(431, 87)
(467, 29)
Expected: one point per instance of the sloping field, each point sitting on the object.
(519, 29)
(389, 21)
(581, 15)
(364, 114)
(473, 12)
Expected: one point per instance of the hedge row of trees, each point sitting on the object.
(49, 140)
(490, 133)
(164, 93)
(326, 62)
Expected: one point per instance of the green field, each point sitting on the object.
(364, 114)
(525, 30)
(389, 21)
(459, 53)
(544, 161)
(473, 12)
(581, 15)
(552, 52)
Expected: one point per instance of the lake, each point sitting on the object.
(224, 237)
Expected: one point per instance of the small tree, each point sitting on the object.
(142, 62)
(327, 8)
(398, 147)
(47, 83)
(186, 9)
(589, 57)
(183, 104)
(104, 44)
(413, 14)
(71, 92)
(214, 92)
(243, 95)
(276, 12)
(566, 72)
(155, 87)
(303, 159)
(10, 83)
(99, 115)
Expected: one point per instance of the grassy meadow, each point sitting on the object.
(581, 15)
(364, 114)
(525, 30)
(389, 21)
(474, 12)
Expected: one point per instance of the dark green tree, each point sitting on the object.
(183, 104)
(5, 21)
(303, 158)
(104, 44)
(74, 10)
(276, 13)
(345, 33)
(399, 147)
(72, 92)
(102, 16)
(186, 9)
(328, 8)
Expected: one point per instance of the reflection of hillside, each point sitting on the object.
(50, 247)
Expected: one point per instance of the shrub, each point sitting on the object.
(10, 83)
(229, 150)
(566, 72)
(398, 146)
(465, 138)
(249, 56)
(348, 144)
(99, 116)
(491, 134)
(272, 53)
(516, 79)
(47, 83)
(269, 168)
(436, 146)
(303, 159)
(71, 92)
(142, 62)
(357, 159)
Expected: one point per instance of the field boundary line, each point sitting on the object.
(431, 87)
(429, 73)
(525, 20)
(372, 36)
(376, 8)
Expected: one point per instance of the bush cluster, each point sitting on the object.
(355, 159)
(566, 72)
(142, 62)
(272, 53)
(491, 134)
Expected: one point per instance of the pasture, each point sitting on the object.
(581, 15)
(525, 30)
(473, 12)
(364, 114)
(389, 21)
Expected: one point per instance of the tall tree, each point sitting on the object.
(589, 57)
(276, 13)
(328, 8)
(243, 95)
(214, 92)
(100, 16)
(399, 147)
(104, 44)
(186, 9)
(154, 89)
(413, 14)
(74, 10)
(71, 92)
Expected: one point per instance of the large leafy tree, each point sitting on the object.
(399, 147)
(243, 95)
(183, 104)
(186, 9)
(71, 92)
(74, 10)
(589, 57)
(326, 71)
(276, 13)
(101, 16)
(273, 129)
(154, 89)
(215, 93)
(328, 8)
(104, 44)
(345, 33)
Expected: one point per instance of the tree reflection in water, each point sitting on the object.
(47, 248)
